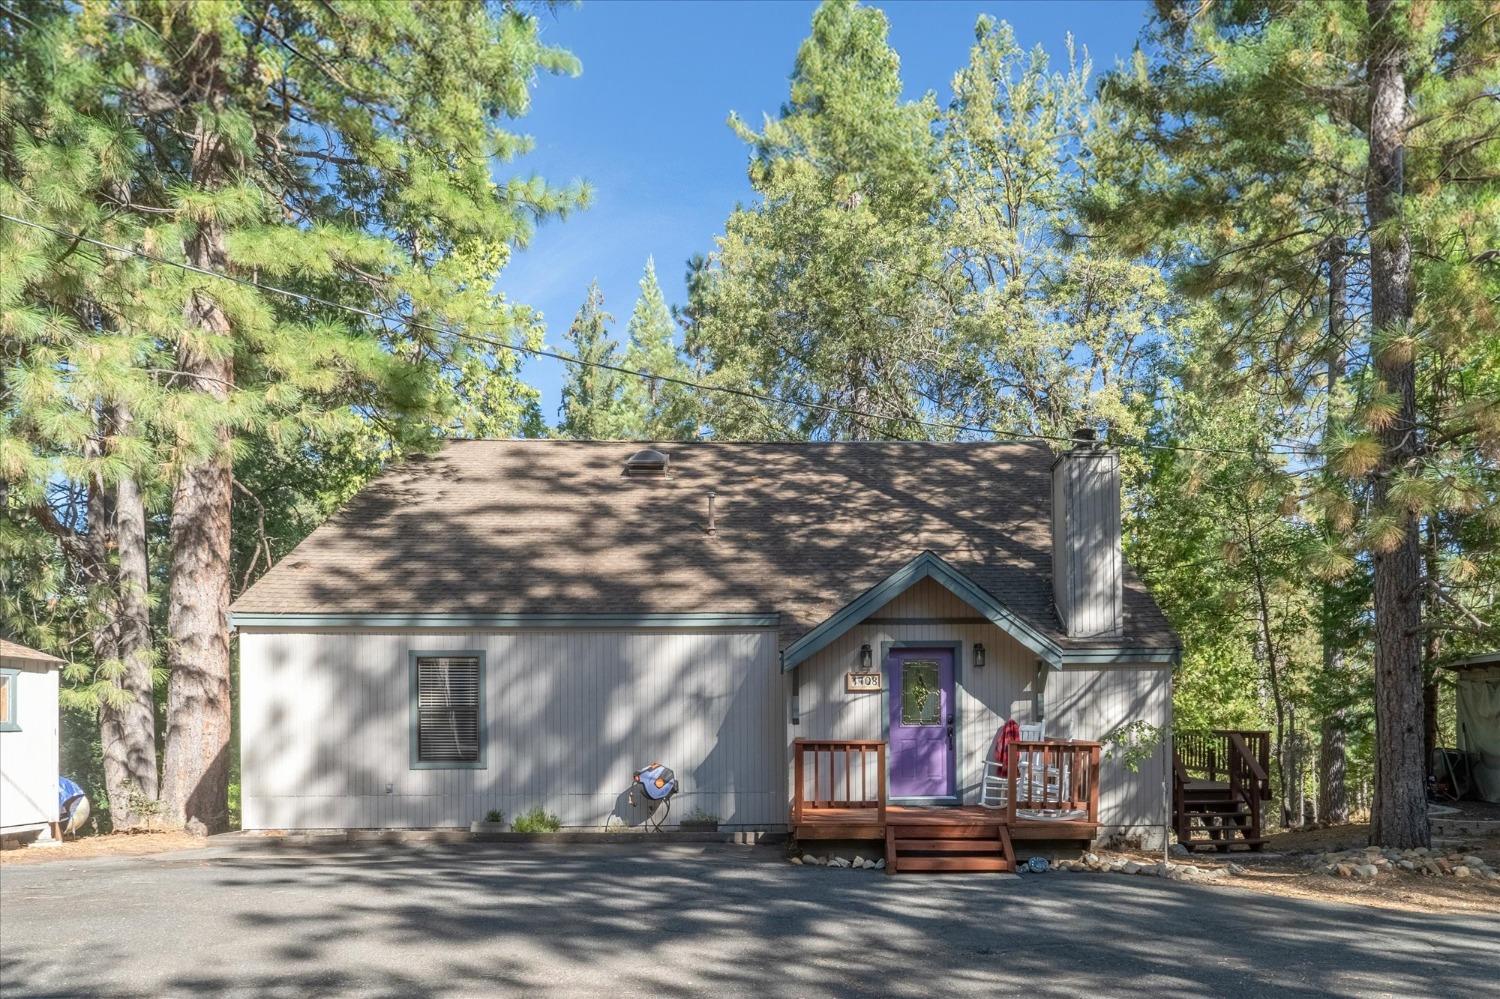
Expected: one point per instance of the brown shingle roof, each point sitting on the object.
(18, 656)
(520, 527)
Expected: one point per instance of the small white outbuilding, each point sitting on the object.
(28, 742)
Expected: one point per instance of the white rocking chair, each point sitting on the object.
(994, 791)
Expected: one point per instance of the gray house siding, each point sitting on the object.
(1087, 580)
(569, 715)
(1080, 703)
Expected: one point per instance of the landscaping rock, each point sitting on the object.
(1367, 871)
(1178, 850)
(1235, 869)
(1461, 871)
(1130, 867)
(859, 861)
(837, 862)
(880, 864)
(797, 861)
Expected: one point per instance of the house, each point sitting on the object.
(1477, 707)
(28, 742)
(520, 623)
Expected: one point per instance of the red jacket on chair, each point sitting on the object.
(1009, 732)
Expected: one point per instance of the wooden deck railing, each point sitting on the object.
(1052, 775)
(1238, 761)
(838, 773)
(1214, 754)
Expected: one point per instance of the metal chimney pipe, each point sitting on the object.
(712, 528)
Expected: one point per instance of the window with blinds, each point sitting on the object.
(449, 711)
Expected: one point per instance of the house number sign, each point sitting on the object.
(858, 683)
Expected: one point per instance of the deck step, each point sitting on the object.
(905, 846)
(992, 862)
(1216, 844)
(948, 847)
(945, 830)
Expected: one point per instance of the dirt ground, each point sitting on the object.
(112, 845)
(1282, 870)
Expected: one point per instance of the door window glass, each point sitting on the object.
(921, 696)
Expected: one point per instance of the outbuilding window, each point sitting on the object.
(10, 679)
(447, 710)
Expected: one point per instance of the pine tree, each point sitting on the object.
(819, 292)
(593, 406)
(345, 152)
(1046, 330)
(656, 410)
(1286, 154)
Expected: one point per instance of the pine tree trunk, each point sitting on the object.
(1398, 815)
(1432, 645)
(1333, 795)
(1333, 798)
(127, 733)
(104, 636)
(196, 776)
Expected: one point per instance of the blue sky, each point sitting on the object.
(645, 125)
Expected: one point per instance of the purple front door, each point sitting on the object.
(921, 732)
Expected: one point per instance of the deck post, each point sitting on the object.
(1012, 761)
(1094, 759)
(798, 778)
(880, 765)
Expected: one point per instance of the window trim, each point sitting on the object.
(10, 724)
(417, 763)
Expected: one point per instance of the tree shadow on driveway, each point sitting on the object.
(684, 921)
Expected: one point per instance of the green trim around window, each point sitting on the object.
(483, 721)
(8, 722)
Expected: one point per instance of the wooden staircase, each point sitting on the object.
(938, 843)
(1219, 780)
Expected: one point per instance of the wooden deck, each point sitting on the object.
(840, 794)
(865, 823)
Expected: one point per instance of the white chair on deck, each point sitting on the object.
(994, 790)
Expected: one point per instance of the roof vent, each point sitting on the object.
(647, 462)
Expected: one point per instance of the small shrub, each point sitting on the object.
(535, 821)
(494, 815)
(699, 817)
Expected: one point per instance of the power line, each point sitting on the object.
(307, 299)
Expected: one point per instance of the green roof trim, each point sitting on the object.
(572, 622)
(928, 565)
(925, 566)
(1121, 657)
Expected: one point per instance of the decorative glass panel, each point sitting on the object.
(7, 698)
(921, 696)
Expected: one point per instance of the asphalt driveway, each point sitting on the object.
(506, 920)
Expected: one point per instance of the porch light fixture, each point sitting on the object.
(978, 654)
(866, 659)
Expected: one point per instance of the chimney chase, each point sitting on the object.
(1086, 569)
